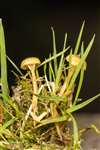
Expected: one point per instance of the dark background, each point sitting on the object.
(27, 27)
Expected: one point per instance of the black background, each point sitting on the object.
(27, 26)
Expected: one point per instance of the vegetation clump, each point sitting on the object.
(39, 114)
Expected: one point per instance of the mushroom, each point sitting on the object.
(30, 64)
(74, 60)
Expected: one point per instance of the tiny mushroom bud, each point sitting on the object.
(30, 64)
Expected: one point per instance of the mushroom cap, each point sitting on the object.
(75, 60)
(29, 62)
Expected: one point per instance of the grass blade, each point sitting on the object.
(8, 123)
(4, 81)
(15, 66)
(83, 104)
(54, 51)
(44, 68)
(52, 120)
(51, 98)
(75, 134)
(81, 62)
(52, 57)
(60, 68)
(80, 80)
(51, 72)
(79, 39)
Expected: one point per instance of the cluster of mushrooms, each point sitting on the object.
(31, 64)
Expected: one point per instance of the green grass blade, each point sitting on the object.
(45, 68)
(51, 98)
(51, 72)
(54, 51)
(8, 123)
(75, 133)
(52, 120)
(15, 66)
(79, 39)
(79, 86)
(60, 68)
(81, 62)
(81, 78)
(52, 57)
(83, 104)
(4, 81)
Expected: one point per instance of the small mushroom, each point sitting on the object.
(74, 60)
(30, 64)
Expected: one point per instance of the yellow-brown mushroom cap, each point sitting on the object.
(75, 60)
(29, 62)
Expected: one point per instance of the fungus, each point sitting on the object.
(30, 64)
(74, 60)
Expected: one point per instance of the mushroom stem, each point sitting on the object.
(66, 82)
(34, 85)
(54, 113)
